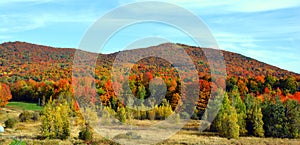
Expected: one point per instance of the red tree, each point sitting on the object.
(5, 94)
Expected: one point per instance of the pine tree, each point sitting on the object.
(121, 114)
(231, 124)
(275, 121)
(48, 129)
(293, 117)
(254, 116)
(212, 109)
(141, 94)
(227, 120)
(240, 107)
(55, 120)
(258, 129)
(65, 114)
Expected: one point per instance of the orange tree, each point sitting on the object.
(5, 94)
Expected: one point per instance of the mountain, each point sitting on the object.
(21, 60)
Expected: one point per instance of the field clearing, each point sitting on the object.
(29, 132)
(24, 106)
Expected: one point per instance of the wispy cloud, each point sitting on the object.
(25, 1)
(266, 30)
(233, 5)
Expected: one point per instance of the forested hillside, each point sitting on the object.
(35, 72)
(23, 61)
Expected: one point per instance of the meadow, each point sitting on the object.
(29, 132)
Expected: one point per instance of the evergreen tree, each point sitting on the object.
(121, 114)
(254, 116)
(141, 94)
(48, 118)
(213, 107)
(275, 121)
(293, 117)
(227, 120)
(231, 124)
(240, 107)
(55, 120)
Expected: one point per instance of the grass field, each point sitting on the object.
(29, 132)
(24, 106)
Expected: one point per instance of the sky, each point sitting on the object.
(268, 30)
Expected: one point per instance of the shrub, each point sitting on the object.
(167, 111)
(159, 114)
(91, 115)
(25, 116)
(185, 115)
(35, 116)
(175, 118)
(10, 123)
(107, 116)
(151, 114)
(121, 114)
(86, 134)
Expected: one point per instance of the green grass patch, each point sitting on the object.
(24, 106)
(17, 142)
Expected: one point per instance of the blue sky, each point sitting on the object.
(266, 30)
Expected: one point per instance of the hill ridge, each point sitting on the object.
(18, 58)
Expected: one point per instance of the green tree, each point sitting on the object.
(86, 133)
(227, 120)
(240, 108)
(275, 121)
(213, 107)
(288, 85)
(141, 94)
(55, 120)
(254, 116)
(293, 117)
(121, 114)
(230, 83)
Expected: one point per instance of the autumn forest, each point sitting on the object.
(260, 100)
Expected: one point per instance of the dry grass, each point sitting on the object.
(195, 137)
(29, 132)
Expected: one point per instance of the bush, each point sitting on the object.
(175, 118)
(86, 134)
(151, 114)
(185, 115)
(10, 123)
(25, 116)
(121, 114)
(159, 114)
(35, 116)
(107, 116)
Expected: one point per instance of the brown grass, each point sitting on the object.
(29, 132)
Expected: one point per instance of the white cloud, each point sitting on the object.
(233, 5)
(258, 5)
(23, 22)
(13, 3)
